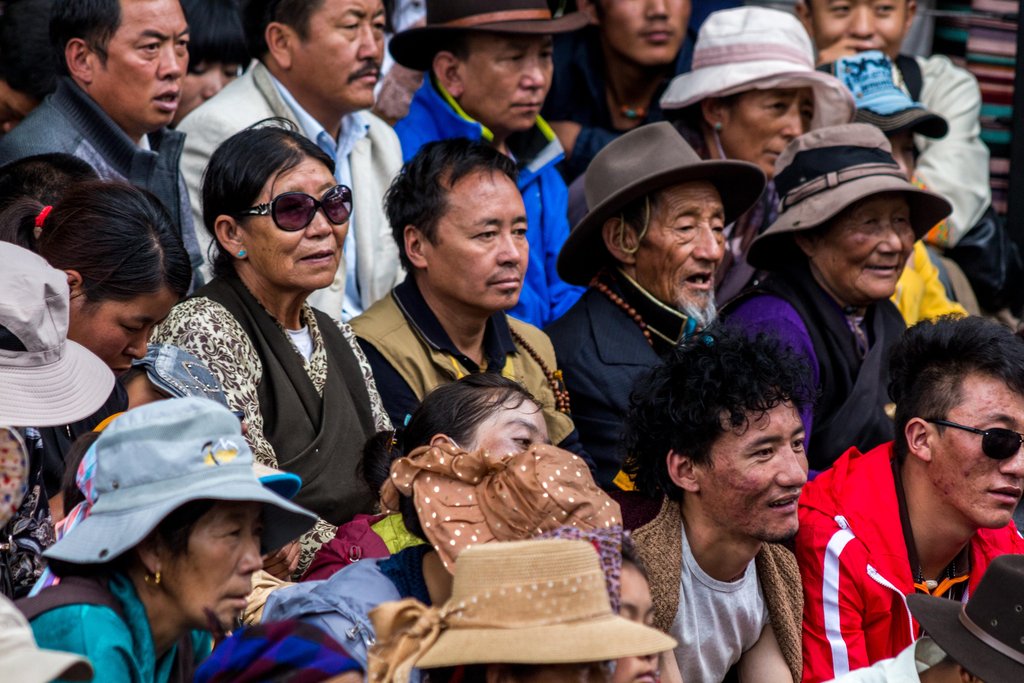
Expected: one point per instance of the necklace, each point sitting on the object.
(626, 308)
(554, 377)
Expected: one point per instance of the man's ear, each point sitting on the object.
(415, 246)
(620, 240)
(919, 437)
(682, 471)
(589, 8)
(281, 41)
(448, 72)
(803, 13)
(82, 62)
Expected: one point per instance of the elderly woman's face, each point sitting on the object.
(215, 572)
(757, 125)
(279, 261)
(860, 256)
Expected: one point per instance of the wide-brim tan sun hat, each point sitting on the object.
(823, 172)
(641, 162)
(757, 48)
(45, 378)
(517, 602)
(416, 47)
(22, 658)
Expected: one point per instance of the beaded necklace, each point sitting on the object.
(554, 377)
(621, 303)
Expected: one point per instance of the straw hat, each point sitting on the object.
(47, 380)
(639, 163)
(525, 602)
(985, 635)
(416, 47)
(821, 173)
(159, 456)
(756, 48)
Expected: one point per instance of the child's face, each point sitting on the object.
(841, 28)
(141, 391)
(636, 606)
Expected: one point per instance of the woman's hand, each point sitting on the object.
(282, 563)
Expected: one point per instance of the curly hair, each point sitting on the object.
(720, 378)
(929, 362)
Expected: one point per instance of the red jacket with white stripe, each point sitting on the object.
(854, 565)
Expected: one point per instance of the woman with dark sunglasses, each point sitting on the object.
(278, 220)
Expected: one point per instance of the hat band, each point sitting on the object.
(988, 639)
(811, 163)
(498, 17)
(836, 178)
(750, 52)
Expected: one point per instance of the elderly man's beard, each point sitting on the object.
(702, 311)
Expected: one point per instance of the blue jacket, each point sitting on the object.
(544, 297)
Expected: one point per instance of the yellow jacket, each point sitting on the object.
(920, 295)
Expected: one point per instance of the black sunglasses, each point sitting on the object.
(997, 443)
(293, 211)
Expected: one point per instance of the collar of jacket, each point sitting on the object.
(668, 325)
(112, 143)
(498, 343)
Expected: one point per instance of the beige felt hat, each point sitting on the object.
(24, 661)
(823, 172)
(522, 602)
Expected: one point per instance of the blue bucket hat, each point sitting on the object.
(880, 101)
(160, 456)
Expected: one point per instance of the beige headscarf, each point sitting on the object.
(463, 499)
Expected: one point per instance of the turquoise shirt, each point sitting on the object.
(119, 650)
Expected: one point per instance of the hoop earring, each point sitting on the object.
(152, 579)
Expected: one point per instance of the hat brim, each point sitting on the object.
(775, 249)
(941, 620)
(416, 47)
(107, 533)
(833, 103)
(602, 639)
(920, 121)
(584, 253)
(70, 389)
(47, 665)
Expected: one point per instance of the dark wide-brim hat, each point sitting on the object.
(416, 47)
(639, 163)
(823, 172)
(985, 635)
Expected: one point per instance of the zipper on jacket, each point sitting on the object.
(882, 581)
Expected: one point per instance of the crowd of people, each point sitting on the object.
(619, 341)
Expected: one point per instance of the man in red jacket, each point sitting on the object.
(926, 513)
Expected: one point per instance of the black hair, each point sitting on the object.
(929, 362)
(631, 557)
(455, 409)
(118, 237)
(26, 56)
(173, 531)
(93, 21)
(721, 375)
(215, 32)
(72, 459)
(43, 177)
(419, 193)
(242, 165)
(257, 15)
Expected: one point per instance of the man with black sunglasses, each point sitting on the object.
(925, 513)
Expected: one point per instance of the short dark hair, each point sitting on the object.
(419, 193)
(722, 372)
(257, 15)
(929, 362)
(27, 61)
(242, 165)
(94, 21)
(215, 32)
(43, 177)
(119, 238)
(455, 409)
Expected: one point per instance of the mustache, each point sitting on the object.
(370, 68)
